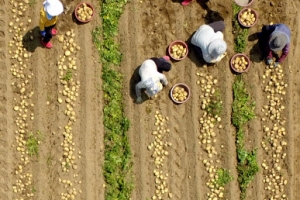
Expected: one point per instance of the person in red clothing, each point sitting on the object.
(48, 18)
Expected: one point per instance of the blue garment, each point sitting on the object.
(49, 17)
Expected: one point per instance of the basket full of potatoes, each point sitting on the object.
(180, 93)
(178, 50)
(247, 17)
(84, 12)
(240, 63)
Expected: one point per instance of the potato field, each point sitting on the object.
(71, 127)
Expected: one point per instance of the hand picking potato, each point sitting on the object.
(248, 17)
(84, 12)
(178, 51)
(179, 93)
(240, 64)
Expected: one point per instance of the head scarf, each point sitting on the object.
(216, 48)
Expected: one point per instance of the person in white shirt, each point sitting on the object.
(210, 40)
(152, 78)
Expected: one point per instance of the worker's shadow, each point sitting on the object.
(31, 40)
(135, 79)
(256, 52)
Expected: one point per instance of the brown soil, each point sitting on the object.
(146, 30)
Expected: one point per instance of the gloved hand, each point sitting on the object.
(43, 33)
(139, 100)
(269, 61)
(276, 64)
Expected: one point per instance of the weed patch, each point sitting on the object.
(224, 177)
(68, 75)
(215, 106)
(32, 143)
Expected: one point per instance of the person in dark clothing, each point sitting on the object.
(274, 39)
(162, 63)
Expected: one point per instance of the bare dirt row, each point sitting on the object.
(51, 174)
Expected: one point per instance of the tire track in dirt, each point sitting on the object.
(90, 120)
(44, 74)
(182, 152)
(255, 188)
(6, 136)
(178, 162)
(293, 106)
(140, 122)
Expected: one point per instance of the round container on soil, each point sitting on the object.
(86, 8)
(242, 17)
(240, 63)
(178, 50)
(180, 93)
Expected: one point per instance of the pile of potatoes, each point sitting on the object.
(84, 12)
(240, 63)
(247, 18)
(178, 51)
(180, 93)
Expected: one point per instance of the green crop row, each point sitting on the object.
(242, 113)
(117, 167)
(240, 33)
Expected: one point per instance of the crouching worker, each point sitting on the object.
(209, 43)
(275, 40)
(152, 78)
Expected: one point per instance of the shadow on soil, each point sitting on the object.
(256, 53)
(31, 40)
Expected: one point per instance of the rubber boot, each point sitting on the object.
(54, 32)
(48, 45)
(186, 2)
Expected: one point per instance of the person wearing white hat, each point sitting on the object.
(274, 39)
(48, 18)
(152, 77)
(209, 42)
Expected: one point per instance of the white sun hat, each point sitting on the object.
(53, 7)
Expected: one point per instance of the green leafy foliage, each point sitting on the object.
(215, 106)
(247, 168)
(240, 33)
(243, 112)
(224, 177)
(32, 143)
(243, 109)
(68, 75)
(117, 167)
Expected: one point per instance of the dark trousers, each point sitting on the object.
(48, 35)
(217, 26)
